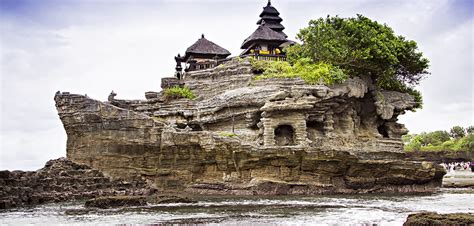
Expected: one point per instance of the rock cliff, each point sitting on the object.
(247, 136)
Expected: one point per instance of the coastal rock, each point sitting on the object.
(432, 218)
(246, 136)
(115, 201)
(62, 180)
(459, 179)
(163, 199)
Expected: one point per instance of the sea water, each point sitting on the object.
(276, 210)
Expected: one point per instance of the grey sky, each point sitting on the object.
(95, 46)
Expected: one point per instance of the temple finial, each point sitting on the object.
(269, 3)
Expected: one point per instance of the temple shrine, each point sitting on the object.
(265, 43)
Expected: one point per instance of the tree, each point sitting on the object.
(414, 144)
(436, 138)
(361, 46)
(457, 132)
(470, 130)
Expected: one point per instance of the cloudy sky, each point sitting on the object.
(95, 46)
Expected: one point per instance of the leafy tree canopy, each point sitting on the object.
(361, 46)
(470, 130)
(457, 132)
(441, 140)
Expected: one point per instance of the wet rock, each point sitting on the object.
(115, 201)
(459, 179)
(163, 199)
(432, 218)
(62, 180)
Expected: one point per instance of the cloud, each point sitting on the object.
(93, 47)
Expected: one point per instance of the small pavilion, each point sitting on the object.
(203, 54)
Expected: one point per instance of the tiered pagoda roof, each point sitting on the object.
(263, 33)
(272, 18)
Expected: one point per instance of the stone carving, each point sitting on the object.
(111, 96)
(246, 136)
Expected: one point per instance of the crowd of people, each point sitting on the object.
(457, 166)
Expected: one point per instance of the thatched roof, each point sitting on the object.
(204, 46)
(270, 18)
(269, 10)
(263, 33)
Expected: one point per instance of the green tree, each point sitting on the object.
(457, 132)
(470, 130)
(436, 138)
(361, 47)
(414, 144)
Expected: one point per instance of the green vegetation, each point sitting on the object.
(227, 134)
(179, 92)
(457, 132)
(362, 47)
(457, 139)
(304, 68)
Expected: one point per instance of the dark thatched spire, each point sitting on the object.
(272, 18)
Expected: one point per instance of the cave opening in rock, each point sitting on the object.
(195, 127)
(383, 130)
(315, 125)
(284, 135)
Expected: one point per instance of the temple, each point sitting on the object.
(265, 43)
(203, 54)
(268, 40)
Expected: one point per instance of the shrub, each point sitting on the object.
(179, 92)
(304, 68)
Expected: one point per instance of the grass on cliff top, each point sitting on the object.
(177, 92)
(312, 73)
(227, 134)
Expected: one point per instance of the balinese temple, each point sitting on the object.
(203, 54)
(267, 42)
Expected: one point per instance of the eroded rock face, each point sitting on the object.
(286, 137)
(62, 180)
(432, 218)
